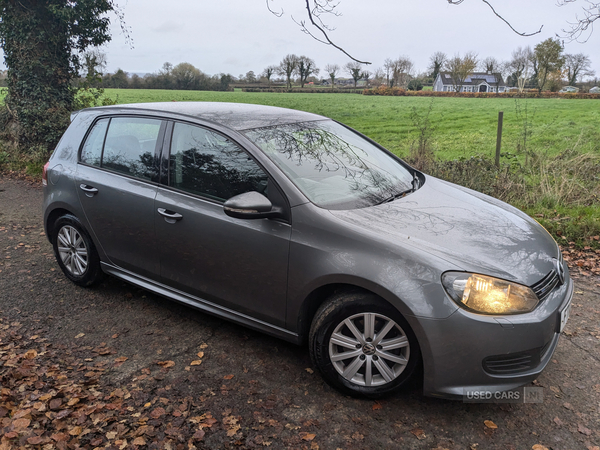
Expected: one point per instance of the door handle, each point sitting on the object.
(170, 216)
(90, 191)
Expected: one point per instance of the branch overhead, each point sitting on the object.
(458, 2)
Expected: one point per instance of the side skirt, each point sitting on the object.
(201, 304)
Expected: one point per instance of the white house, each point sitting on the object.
(476, 82)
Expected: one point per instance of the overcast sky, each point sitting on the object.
(235, 36)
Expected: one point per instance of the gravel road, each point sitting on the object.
(259, 391)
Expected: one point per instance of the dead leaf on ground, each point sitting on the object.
(196, 363)
(80, 335)
(157, 412)
(228, 377)
(20, 424)
(309, 370)
(377, 406)
(307, 436)
(166, 364)
(200, 355)
(539, 447)
(583, 430)
(419, 433)
(490, 424)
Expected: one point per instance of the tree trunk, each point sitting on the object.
(37, 54)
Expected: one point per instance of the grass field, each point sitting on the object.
(464, 126)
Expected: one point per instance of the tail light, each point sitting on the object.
(45, 174)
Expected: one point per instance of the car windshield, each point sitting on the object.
(333, 166)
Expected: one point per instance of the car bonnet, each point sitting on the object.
(467, 229)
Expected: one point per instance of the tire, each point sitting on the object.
(360, 362)
(75, 252)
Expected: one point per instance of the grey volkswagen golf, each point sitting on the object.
(298, 226)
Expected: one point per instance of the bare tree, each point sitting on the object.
(399, 71)
(436, 63)
(366, 75)
(460, 68)
(388, 67)
(287, 67)
(490, 65)
(402, 71)
(578, 66)
(269, 72)
(515, 67)
(332, 70)
(582, 26)
(305, 68)
(354, 69)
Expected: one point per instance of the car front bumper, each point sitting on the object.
(469, 352)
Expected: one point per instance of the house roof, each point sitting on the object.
(475, 79)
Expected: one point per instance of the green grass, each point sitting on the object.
(464, 126)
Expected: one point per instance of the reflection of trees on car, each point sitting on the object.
(221, 175)
(317, 155)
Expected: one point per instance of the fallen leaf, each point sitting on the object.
(377, 406)
(121, 359)
(490, 424)
(558, 422)
(75, 431)
(139, 441)
(203, 346)
(35, 440)
(307, 436)
(196, 363)
(309, 370)
(80, 335)
(200, 355)
(419, 433)
(111, 435)
(20, 424)
(233, 430)
(114, 336)
(539, 447)
(166, 364)
(157, 412)
(228, 377)
(30, 354)
(584, 430)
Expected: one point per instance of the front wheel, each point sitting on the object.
(362, 346)
(75, 252)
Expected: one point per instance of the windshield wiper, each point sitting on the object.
(416, 184)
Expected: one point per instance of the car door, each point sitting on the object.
(117, 178)
(239, 264)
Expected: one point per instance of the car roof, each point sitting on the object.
(237, 116)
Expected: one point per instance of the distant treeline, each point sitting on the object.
(183, 76)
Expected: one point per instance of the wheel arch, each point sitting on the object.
(322, 293)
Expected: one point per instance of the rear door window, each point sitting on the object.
(91, 153)
(124, 144)
(130, 146)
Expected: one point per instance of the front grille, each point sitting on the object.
(546, 285)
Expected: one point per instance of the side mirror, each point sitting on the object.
(251, 205)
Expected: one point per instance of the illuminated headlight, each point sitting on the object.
(488, 295)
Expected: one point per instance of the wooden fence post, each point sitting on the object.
(499, 137)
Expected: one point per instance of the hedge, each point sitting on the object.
(395, 91)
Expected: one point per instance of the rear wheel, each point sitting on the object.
(75, 252)
(362, 345)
